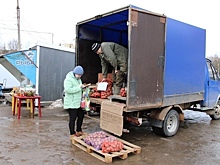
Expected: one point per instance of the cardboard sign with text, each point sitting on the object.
(111, 117)
(102, 86)
(111, 122)
(113, 107)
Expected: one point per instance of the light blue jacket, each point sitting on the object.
(73, 91)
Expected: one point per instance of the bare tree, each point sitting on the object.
(2, 48)
(13, 45)
(1, 45)
(216, 61)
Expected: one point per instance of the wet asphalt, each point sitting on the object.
(45, 141)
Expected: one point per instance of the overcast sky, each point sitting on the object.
(58, 18)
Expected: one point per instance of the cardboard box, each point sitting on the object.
(111, 122)
(113, 107)
(111, 117)
(100, 77)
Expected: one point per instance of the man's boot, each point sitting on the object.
(116, 90)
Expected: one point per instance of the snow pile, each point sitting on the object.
(196, 117)
(56, 104)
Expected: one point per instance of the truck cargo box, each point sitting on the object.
(166, 58)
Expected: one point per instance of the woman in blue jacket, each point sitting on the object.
(73, 95)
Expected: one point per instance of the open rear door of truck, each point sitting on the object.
(146, 59)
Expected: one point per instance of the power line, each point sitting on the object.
(32, 32)
(7, 25)
(26, 30)
(38, 35)
(26, 22)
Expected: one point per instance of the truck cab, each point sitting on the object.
(212, 91)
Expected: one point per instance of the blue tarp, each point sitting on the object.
(113, 26)
(25, 62)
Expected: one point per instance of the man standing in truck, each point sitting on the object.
(115, 55)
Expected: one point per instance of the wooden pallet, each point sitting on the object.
(106, 157)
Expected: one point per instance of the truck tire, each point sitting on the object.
(170, 124)
(216, 114)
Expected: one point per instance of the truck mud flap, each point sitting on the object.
(156, 123)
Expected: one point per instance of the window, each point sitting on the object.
(212, 71)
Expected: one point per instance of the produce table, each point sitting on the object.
(18, 99)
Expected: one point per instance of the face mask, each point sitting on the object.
(77, 76)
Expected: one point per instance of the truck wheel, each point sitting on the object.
(157, 130)
(170, 124)
(216, 114)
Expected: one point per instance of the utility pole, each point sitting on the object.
(52, 38)
(18, 23)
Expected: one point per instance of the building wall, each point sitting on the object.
(54, 65)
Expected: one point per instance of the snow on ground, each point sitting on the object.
(56, 104)
(196, 117)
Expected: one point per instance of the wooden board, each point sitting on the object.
(97, 100)
(106, 157)
(110, 98)
(116, 98)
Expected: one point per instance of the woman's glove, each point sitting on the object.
(84, 85)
